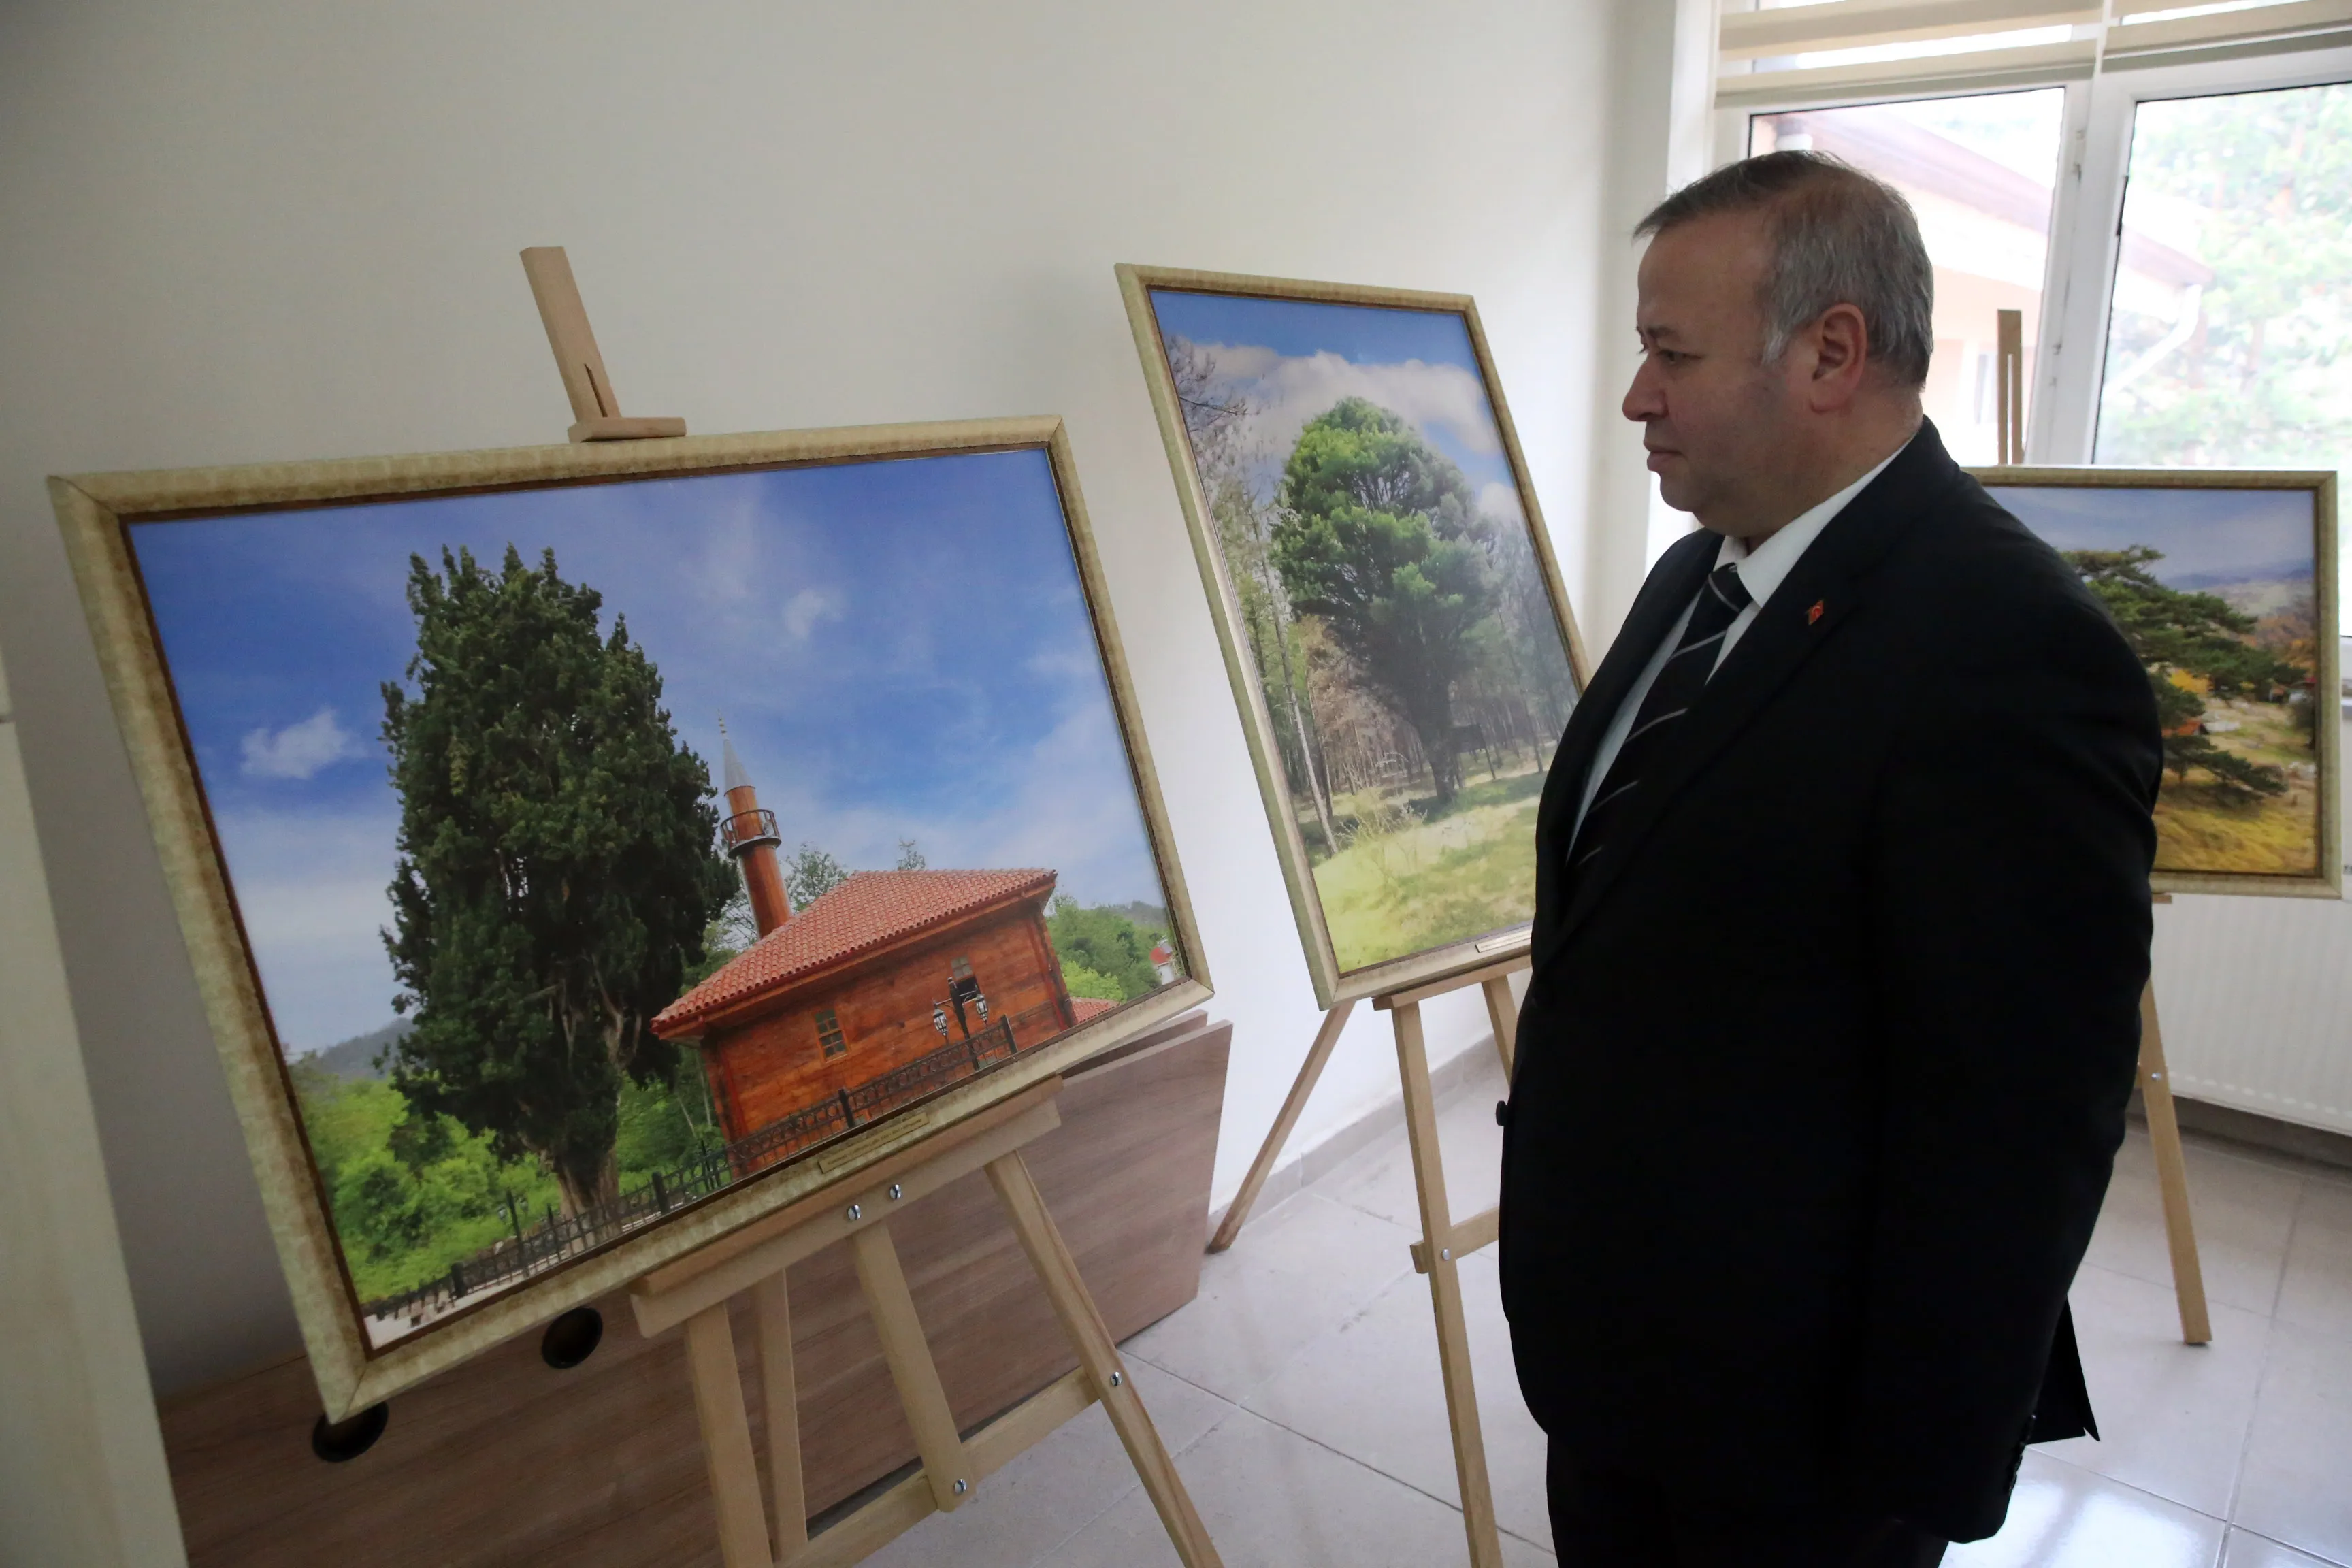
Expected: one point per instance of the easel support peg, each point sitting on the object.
(2171, 1170)
(595, 408)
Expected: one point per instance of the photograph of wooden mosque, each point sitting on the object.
(543, 966)
(889, 986)
(880, 990)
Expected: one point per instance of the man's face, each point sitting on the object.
(1718, 423)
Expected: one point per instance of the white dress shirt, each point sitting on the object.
(1762, 570)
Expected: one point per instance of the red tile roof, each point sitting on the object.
(869, 910)
(1086, 1007)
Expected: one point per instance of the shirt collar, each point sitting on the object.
(1764, 567)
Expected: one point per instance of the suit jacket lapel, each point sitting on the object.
(1672, 584)
(1825, 589)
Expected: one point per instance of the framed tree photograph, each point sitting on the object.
(1392, 617)
(2224, 581)
(585, 850)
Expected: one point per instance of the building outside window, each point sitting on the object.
(2166, 196)
(828, 1033)
(1979, 172)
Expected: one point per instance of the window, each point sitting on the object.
(2165, 195)
(2230, 328)
(1979, 172)
(828, 1033)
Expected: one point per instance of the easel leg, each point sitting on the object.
(1041, 1239)
(1504, 1014)
(1446, 1290)
(911, 1367)
(772, 1306)
(1279, 1134)
(726, 1438)
(2171, 1175)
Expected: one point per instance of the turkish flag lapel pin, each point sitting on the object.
(1815, 613)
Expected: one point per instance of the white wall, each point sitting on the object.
(272, 230)
(1662, 63)
(82, 1479)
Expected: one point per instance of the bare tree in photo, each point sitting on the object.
(1216, 420)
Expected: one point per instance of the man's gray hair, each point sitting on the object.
(1839, 237)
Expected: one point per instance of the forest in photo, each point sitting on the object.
(2215, 590)
(1394, 617)
(2234, 695)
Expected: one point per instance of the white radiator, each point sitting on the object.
(2256, 998)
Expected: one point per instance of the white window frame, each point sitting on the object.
(2086, 204)
(2071, 364)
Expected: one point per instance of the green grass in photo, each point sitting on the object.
(1405, 884)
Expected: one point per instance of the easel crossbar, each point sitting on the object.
(907, 1500)
(953, 1463)
(670, 1296)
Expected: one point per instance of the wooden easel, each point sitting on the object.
(1443, 1243)
(695, 1290)
(1501, 1011)
(2009, 385)
(596, 406)
(2171, 1169)
(2155, 1081)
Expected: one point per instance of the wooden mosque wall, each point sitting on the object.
(774, 1065)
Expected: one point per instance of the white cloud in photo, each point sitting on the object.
(810, 608)
(1497, 500)
(299, 751)
(724, 566)
(1290, 391)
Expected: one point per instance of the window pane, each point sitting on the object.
(1979, 172)
(2230, 333)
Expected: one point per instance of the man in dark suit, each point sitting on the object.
(1842, 918)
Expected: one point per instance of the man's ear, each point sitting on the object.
(1841, 353)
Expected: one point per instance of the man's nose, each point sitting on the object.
(1644, 399)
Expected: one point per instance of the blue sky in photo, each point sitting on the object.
(1418, 362)
(2210, 538)
(900, 649)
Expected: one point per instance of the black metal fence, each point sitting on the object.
(560, 1236)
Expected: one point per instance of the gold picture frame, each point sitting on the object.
(2013, 486)
(96, 513)
(1335, 982)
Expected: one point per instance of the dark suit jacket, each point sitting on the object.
(1821, 1072)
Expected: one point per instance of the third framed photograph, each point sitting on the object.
(2224, 580)
(1392, 617)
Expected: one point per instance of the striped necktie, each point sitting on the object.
(1650, 740)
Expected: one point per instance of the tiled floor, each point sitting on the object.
(1300, 1393)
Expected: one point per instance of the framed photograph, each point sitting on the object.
(585, 850)
(2224, 580)
(1392, 620)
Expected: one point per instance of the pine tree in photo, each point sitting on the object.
(1381, 538)
(2200, 636)
(556, 875)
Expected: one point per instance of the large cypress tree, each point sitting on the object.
(557, 869)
